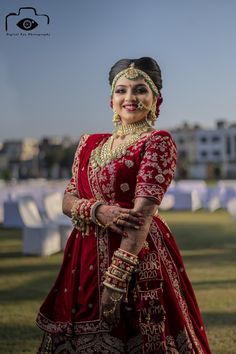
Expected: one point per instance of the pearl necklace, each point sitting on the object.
(103, 155)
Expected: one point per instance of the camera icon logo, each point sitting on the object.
(26, 19)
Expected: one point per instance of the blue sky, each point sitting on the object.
(58, 84)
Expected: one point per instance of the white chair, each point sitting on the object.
(11, 215)
(39, 238)
(214, 203)
(231, 207)
(3, 197)
(187, 200)
(196, 200)
(200, 191)
(53, 209)
(168, 202)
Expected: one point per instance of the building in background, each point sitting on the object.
(206, 153)
(19, 158)
(51, 157)
(202, 154)
(56, 157)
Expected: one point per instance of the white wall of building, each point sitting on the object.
(206, 153)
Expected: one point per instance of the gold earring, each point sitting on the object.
(116, 118)
(152, 113)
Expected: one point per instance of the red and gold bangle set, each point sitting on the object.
(119, 273)
(123, 263)
(83, 213)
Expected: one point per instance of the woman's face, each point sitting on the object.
(127, 94)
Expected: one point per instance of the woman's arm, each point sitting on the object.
(136, 238)
(107, 214)
(67, 203)
(132, 244)
(155, 175)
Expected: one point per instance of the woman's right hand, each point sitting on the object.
(117, 218)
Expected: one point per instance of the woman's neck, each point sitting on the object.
(139, 127)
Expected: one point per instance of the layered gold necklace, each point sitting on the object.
(103, 155)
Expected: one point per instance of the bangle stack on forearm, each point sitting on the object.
(83, 212)
(120, 271)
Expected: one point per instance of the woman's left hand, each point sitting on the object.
(110, 308)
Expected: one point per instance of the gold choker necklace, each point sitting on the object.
(132, 128)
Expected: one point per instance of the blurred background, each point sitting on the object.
(54, 87)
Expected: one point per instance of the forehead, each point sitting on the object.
(123, 81)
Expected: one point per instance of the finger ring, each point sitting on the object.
(115, 221)
(118, 221)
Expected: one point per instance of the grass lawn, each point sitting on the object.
(207, 242)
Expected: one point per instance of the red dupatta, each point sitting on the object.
(82, 185)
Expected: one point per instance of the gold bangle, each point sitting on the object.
(94, 209)
(115, 277)
(120, 269)
(121, 273)
(100, 224)
(108, 285)
(125, 259)
(130, 254)
(133, 259)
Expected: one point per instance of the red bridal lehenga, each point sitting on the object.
(162, 315)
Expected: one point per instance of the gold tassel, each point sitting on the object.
(116, 118)
(152, 113)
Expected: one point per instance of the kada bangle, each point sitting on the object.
(93, 210)
(108, 285)
(97, 222)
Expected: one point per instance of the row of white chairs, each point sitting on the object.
(37, 209)
(192, 201)
(181, 195)
(193, 195)
(45, 234)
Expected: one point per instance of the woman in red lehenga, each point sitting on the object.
(122, 287)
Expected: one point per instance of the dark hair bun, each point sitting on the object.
(146, 64)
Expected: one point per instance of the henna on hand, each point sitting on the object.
(118, 218)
